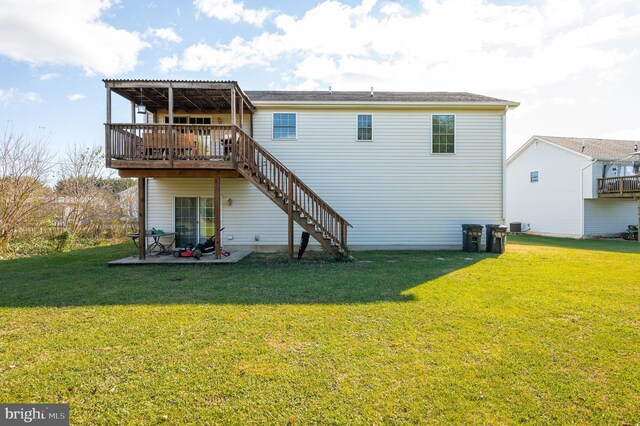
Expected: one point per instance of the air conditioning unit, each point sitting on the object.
(518, 227)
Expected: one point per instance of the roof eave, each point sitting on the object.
(533, 138)
(346, 104)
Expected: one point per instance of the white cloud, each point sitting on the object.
(571, 63)
(230, 10)
(76, 97)
(14, 95)
(67, 32)
(394, 9)
(448, 45)
(168, 63)
(626, 134)
(165, 34)
(48, 76)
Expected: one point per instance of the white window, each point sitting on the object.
(284, 125)
(443, 134)
(364, 127)
(534, 176)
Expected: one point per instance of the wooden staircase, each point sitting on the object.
(288, 192)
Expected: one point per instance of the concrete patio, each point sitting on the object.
(155, 259)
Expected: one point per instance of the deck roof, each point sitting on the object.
(188, 95)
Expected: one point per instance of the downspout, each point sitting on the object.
(582, 195)
(504, 165)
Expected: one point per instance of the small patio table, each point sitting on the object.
(156, 240)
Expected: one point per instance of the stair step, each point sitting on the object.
(276, 194)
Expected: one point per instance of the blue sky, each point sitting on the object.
(573, 64)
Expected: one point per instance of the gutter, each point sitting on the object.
(369, 104)
(593, 160)
(504, 165)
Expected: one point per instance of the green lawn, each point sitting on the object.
(547, 333)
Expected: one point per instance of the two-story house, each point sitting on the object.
(388, 169)
(574, 187)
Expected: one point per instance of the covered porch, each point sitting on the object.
(177, 129)
(176, 124)
(203, 129)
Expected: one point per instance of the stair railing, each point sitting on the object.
(277, 177)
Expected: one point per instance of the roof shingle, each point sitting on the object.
(326, 96)
(599, 149)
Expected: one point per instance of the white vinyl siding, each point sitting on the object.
(553, 205)
(245, 211)
(609, 216)
(393, 192)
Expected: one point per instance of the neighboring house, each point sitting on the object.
(574, 187)
(128, 201)
(388, 169)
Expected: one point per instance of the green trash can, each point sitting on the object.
(496, 238)
(471, 236)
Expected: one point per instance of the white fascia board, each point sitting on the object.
(387, 105)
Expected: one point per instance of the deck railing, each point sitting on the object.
(156, 143)
(624, 185)
(140, 142)
(284, 183)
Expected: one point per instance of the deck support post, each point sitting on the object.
(233, 106)
(171, 142)
(638, 198)
(142, 240)
(107, 131)
(241, 104)
(290, 215)
(216, 216)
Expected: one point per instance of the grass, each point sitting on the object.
(547, 333)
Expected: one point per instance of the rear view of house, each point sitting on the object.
(385, 169)
(574, 187)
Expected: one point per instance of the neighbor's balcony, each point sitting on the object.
(164, 146)
(619, 187)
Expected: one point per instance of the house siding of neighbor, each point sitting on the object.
(393, 190)
(564, 200)
(381, 178)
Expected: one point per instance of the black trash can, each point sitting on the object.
(471, 236)
(496, 238)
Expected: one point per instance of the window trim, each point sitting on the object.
(357, 128)
(455, 135)
(537, 172)
(273, 116)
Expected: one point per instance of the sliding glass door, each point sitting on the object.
(193, 220)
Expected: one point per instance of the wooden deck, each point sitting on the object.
(204, 150)
(234, 257)
(164, 146)
(619, 187)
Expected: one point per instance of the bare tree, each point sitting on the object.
(24, 165)
(78, 191)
